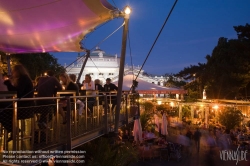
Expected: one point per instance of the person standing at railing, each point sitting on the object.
(20, 82)
(99, 88)
(47, 86)
(67, 84)
(88, 84)
(73, 78)
(98, 85)
(111, 87)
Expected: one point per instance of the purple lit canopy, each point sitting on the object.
(49, 25)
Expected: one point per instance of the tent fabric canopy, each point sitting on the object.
(50, 25)
(148, 88)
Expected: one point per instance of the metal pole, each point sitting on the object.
(83, 66)
(121, 71)
(105, 114)
(14, 127)
(126, 108)
(69, 133)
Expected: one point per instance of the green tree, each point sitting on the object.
(243, 32)
(226, 73)
(149, 106)
(163, 107)
(230, 117)
(229, 67)
(38, 63)
(186, 111)
(145, 120)
(197, 77)
(174, 82)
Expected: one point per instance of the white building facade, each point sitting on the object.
(101, 66)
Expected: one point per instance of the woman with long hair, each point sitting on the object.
(21, 83)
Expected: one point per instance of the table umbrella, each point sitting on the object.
(164, 126)
(137, 131)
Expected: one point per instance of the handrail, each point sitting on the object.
(8, 93)
(102, 122)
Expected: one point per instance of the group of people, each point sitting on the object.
(45, 86)
(213, 138)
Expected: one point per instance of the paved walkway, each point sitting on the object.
(203, 158)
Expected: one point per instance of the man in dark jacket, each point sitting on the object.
(47, 87)
(111, 87)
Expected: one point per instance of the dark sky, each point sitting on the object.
(190, 34)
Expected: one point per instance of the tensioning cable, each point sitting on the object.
(156, 40)
(95, 47)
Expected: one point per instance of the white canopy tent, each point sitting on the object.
(147, 87)
(50, 25)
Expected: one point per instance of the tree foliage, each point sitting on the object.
(186, 111)
(145, 118)
(226, 74)
(35, 63)
(163, 107)
(174, 82)
(196, 74)
(229, 66)
(149, 106)
(230, 117)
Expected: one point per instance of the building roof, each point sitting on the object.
(100, 53)
(49, 25)
(148, 88)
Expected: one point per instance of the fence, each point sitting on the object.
(40, 126)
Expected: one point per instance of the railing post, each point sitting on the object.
(68, 124)
(14, 126)
(126, 108)
(75, 113)
(58, 131)
(98, 107)
(86, 112)
(105, 114)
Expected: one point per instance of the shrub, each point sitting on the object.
(230, 117)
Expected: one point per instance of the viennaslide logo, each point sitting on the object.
(232, 155)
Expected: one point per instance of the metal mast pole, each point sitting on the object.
(121, 70)
(83, 66)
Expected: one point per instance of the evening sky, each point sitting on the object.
(190, 34)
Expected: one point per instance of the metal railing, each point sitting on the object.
(21, 130)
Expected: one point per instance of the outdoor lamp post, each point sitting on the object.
(125, 14)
